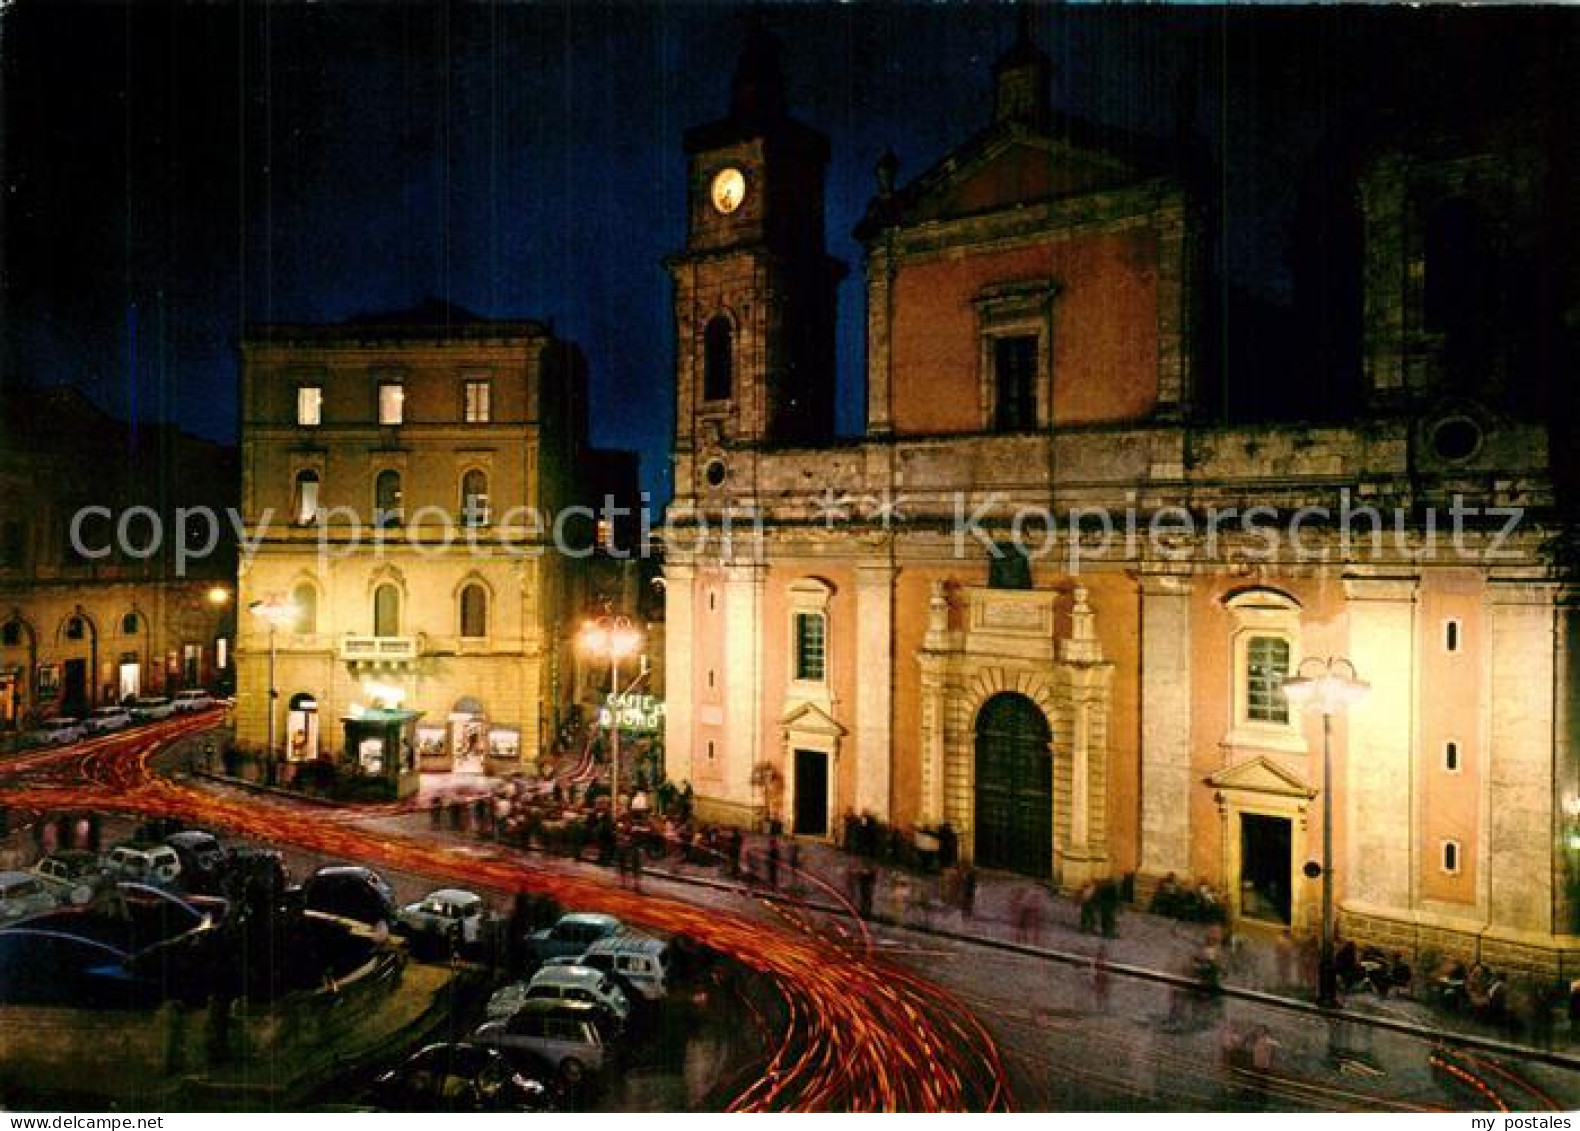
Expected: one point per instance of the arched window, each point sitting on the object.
(718, 360)
(474, 611)
(76, 628)
(386, 611)
(304, 505)
(129, 624)
(387, 499)
(305, 598)
(474, 498)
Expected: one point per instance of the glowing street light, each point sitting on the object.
(1328, 686)
(277, 612)
(615, 637)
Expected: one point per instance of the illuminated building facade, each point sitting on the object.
(890, 623)
(402, 476)
(91, 622)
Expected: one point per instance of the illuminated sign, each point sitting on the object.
(634, 712)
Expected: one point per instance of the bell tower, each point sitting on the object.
(754, 287)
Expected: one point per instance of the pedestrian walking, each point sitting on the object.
(968, 892)
(1086, 903)
(899, 898)
(636, 865)
(1034, 917)
(773, 862)
(793, 864)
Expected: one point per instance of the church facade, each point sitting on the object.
(1049, 598)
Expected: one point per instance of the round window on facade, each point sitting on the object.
(1456, 439)
(714, 473)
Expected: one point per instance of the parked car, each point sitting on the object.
(157, 864)
(68, 871)
(102, 720)
(350, 892)
(23, 894)
(202, 860)
(567, 1034)
(574, 983)
(150, 708)
(633, 962)
(55, 732)
(450, 917)
(461, 1077)
(571, 935)
(193, 699)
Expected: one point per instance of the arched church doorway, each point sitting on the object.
(1014, 787)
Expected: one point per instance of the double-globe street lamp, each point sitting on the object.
(1327, 685)
(277, 613)
(615, 637)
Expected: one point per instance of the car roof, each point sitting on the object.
(452, 895)
(557, 1005)
(192, 836)
(566, 974)
(12, 877)
(595, 918)
(628, 944)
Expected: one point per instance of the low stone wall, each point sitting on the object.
(148, 1057)
(1554, 957)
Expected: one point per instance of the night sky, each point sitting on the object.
(171, 173)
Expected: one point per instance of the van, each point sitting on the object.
(636, 961)
(564, 1033)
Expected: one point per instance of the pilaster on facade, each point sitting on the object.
(1523, 813)
(680, 579)
(1166, 720)
(875, 689)
(744, 583)
(1379, 780)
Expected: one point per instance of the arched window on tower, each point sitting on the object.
(718, 360)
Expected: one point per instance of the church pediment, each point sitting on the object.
(1262, 775)
(1022, 172)
(809, 718)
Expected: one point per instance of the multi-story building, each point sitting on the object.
(107, 589)
(1046, 597)
(405, 480)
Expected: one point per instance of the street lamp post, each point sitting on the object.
(614, 636)
(277, 613)
(1329, 686)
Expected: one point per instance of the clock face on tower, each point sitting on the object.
(729, 189)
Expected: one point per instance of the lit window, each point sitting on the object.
(1451, 757)
(309, 406)
(387, 499)
(605, 534)
(1266, 668)
(810, 647)
(392, 402)
(1451, 857)
(305, 505)
(1014, 383)
(477, 406)
(474, 499)
(474, 611)
(191, 663)
(222, 653)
